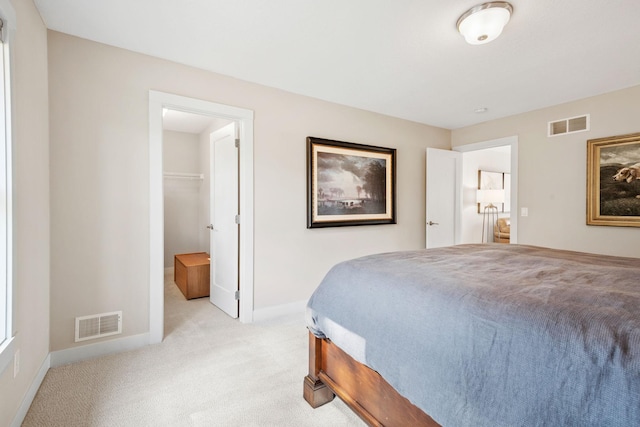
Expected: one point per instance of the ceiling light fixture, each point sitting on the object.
(484, 22)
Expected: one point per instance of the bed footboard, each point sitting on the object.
(333, 372)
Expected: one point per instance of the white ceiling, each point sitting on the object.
(180, 121)
(403, 58)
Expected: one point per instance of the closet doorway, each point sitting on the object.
(200, 163)
(183, 132)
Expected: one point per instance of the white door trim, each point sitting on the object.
(158, 101)
(513, 142)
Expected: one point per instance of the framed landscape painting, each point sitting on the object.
(349, 184)
(613, 181)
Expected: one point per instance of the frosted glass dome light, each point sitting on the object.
(484, 22)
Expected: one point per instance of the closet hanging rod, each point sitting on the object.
(179, 175)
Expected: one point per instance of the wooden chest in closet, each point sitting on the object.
(191, 274)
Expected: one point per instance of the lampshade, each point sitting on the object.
(490, 196)
(484, 22)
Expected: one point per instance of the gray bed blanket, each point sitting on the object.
(493, 335)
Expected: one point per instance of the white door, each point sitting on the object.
(223, 212)
(443, 194)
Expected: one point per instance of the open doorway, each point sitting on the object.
(190, 196)
(158, 102)
(186, 181)
(495, 156)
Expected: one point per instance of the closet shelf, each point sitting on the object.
(179, 175)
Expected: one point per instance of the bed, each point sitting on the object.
(479, 335)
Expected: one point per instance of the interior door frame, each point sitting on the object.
(244, 118)
(500, 142)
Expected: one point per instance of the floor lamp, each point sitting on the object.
(490, 215)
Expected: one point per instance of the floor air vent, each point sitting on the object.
(98, 325)
(570, 125)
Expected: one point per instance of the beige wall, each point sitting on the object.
(181, 152)
(99, 181)
(552, 171)
(31, 183)
(182, 223)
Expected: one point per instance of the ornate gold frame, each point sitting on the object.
(613, 201)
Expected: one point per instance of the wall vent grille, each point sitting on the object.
(570, 125)
(98, 325)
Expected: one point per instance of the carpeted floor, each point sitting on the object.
(210, 370)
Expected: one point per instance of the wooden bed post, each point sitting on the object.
(315, 392)
(333, 372)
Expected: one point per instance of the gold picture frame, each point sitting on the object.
(613, 181)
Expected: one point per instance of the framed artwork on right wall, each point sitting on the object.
(613, 181)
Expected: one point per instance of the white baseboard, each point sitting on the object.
(31, 393)
(89, 351)
(274, 312)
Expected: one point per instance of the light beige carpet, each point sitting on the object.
(210, 370)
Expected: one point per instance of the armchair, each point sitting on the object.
(502, 230)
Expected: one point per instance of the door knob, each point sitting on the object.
(432, 223)
(210, 226)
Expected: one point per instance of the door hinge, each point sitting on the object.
(236, 295)
(237, 219)
(237, 142)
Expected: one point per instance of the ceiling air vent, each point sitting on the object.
(98, 325)
(570, 125)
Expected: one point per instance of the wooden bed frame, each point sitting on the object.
(333, 372)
